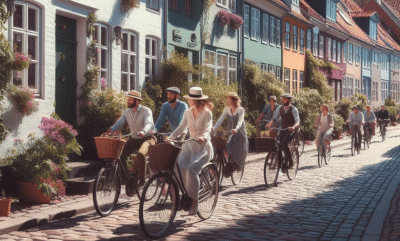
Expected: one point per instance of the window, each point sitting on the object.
(384, 62)
(365, 58)
(302, 83)
(272, 38)
(350, 86)
(278, 72)
(344, 87)
(357, 87)
(302, 40)
(372, 30)
(384, 90)
(395, 92)
(278, 33)
(295, 36)
(321, 46)
(334, 50)
(350, 59)
(309, 34)
(188, 7)
(255, 24)
(246, 21)
(271, 69)
(209, 61)
(331, 10)
(265, 28)
(374, 91)
(294, 81)
(173, 5)
(287, 79)
(232, 69)
(151, 57)
(222, 66)
(295, 2)
(345, 52)
(26, 39)
(153, 4)
(315, 45)
(264, 67)
(128, 61)
(329, 48)
(357, 55)
(339, 52)
(231, 4)
(287, 35)
(101, 37)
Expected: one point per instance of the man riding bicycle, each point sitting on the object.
(140, 120)
(173, 110)
(383, 114)
(370, 119)
(356, 118)
(267, 113)
(291, 120)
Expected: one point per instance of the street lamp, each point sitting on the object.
(118, 34)
(10, 6)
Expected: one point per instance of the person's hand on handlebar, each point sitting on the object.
(141, 133)
(233, 132)
(201, 139)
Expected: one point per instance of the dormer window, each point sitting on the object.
(372, 29)
(331, 10)
(295, 2)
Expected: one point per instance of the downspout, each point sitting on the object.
(390, 75)
(165, 33)
(200, 77)
(283, 49)
(241, 41)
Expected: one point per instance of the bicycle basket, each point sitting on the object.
(109, 148)
(162, 157)
(264, 143)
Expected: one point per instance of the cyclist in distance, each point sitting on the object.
(356, 118)
(369, 117)
(325, 124)
(267, 113)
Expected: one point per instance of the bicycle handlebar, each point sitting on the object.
(276, 128)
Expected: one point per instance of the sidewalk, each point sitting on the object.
(24, 217)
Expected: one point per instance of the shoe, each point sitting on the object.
(193, 210)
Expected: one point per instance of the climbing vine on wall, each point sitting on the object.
(205, 33)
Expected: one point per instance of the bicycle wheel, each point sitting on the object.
(152, 188)
(320, 153)
(237, 176)
(271, 169)
(208, 192)
(157, 213)
(107, 188)
(358, 145)
(353, 139)
(292, 172)
(327, 154)
(366, 136)
(300, 143)
(383, 132)
(218, 162)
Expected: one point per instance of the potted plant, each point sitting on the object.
(129, 4)
(235, 21)
(21, 61)
(223, 18)
(23, 98)
(5, 204)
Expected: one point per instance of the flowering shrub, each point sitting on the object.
(23, 98)
(21, 61)
(129, 4)
(235, 21)
(223, 17)
(57, 131)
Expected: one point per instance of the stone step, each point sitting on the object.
(80, 185)
(84, 168)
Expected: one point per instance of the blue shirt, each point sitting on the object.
(139, 121)
(295, 113)
(174, 116)
(267, 111)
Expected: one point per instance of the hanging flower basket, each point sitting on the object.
(235, 21)
(24, 99)
(21, 62)
(223, 18)
(129, 4)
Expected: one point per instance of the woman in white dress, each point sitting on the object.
(238, 145)
(195, 154)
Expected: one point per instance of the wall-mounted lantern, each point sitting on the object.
(10, 6)
(118, 34)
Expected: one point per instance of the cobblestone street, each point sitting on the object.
(335, 202)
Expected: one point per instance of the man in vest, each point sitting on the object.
(291, 120)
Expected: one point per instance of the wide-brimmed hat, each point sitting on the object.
(174, 90)
(135, 94)
(233, 95)
(272, 97)
(196, 93)
(287, 95)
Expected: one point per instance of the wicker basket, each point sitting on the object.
(219, 140)
(264, 143)
(109, 148)
(162, 157)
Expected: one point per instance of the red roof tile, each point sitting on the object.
(300, 16)
(354, 7)
(310, 11)
(384, 35)
(394, 6)
(280, 2)
(361, 14)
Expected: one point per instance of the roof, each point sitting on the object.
(310, 11)
(280, 2)
(384, 35)
(393, 6)
(361, 14)
(354, 7)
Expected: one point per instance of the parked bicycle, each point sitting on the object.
(324, 151)
(367, 135)
(275, 161)
(355, 142)
(157, 213)
(382, 127)
(107, 186)
(219, 140)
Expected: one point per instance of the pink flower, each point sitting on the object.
(98, 50)
(103, 82)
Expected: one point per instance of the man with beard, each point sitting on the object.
(140, 120)
(173, 110)
(291, 120)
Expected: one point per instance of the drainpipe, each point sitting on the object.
(200, 77)
(390, 75)
(241, 41)
(165, 34)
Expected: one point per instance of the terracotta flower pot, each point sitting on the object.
(339, 134)
(27, 193)
(5, 207)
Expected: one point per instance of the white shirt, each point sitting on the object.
(227, 111)
(199, 127)
(324, 121)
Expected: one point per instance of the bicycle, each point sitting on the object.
(367, 135)
(107, 185)
(157, 213)
(219, 140)
(299, 142)
(382, 127)
(324, 151)
(355, 142)
(275, 161)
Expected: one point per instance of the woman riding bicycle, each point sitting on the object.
(238, 145)
(194, 155)
(325, 124)
(369, 117)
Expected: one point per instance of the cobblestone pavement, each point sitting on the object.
(391, 228)
(335, 202)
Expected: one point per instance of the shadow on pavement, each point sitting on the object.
(261, 187)
(308, 167)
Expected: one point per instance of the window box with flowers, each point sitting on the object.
(23, 98)
(21, 62)
(129, 4)
(223, 18)
(39, 165)
(235, 21)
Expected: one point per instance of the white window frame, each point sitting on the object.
(25, 32)
(287, 35)
(357, 86)
(151, 56)
(255, 24)
(344, 87)
(345, 52)
(272, 29)
(278, 72)
(302, 81)
(321, 46)
(287, 79)
(232, 69)
(153, 5)
(350, 87)
(104, 71)
(221, 67)
(278, 38)
(329, 48)
(350, 58)
(246, 21)
(302, 39)
(131, 53)
(339, 52)
(334, 50)
(357, 55)
(271, 69)
(228, 4)
(265, 32)
(294, 81)
(295, 38)
(210, 60)
(384, 90)
(315, 44)
(309, 39)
